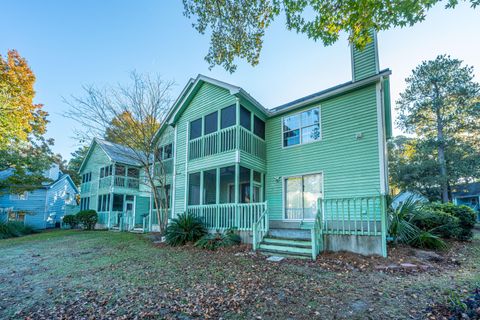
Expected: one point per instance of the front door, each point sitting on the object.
(129, 214)
(301, 196)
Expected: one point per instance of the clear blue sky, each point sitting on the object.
(72, 43)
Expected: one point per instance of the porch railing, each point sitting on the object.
(317, 236)
(355, 216)
(260, 229)
(126, 182)
(225, 216)
(226, 140)
(105, 182)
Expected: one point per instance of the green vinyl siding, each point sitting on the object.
(208, 98)
(142, 207)
(350, 166)
(365, 61)
(387, 106)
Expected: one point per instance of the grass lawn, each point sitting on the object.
(100, 274)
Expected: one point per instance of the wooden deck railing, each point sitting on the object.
(225, 140)
(126, 182)
(225, 216)
(260, 229)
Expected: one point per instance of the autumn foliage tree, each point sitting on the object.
(23, 148)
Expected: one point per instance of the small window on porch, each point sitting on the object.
(119, 170)
(194, 189)
(227, 184)
(259, 127)
(196, 129)
(245, 118)
(211, 122)
(167, 151)
(117, 202)
(229, 117)
(133, 173)
(245, 185)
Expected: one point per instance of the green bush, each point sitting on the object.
(88, 219)
(439, 223)
(71, 220)
(465, 215)
(14, 229)
(213, 241)
(185, 228)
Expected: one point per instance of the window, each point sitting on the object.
(245, 185)
(301, 127)
(227, 184)
(195, 129)
(129, 197)
(120, 170)
(133, 173)
(103, 203)
(85, 203)
(164, 197)
(259, 127)
(229, 116)
(117, 204)
(86, 177)
(301, 196)
(245, 118)
(257, 176)
(168, 151)
(21, 196)
(159, 153)
(106, 171)
(194, 189)
(211, 122)
(210, 186)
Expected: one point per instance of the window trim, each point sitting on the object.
(320, 138)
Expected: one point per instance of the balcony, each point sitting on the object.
(119, 181)
(225, 140)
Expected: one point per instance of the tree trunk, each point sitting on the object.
(441, 157)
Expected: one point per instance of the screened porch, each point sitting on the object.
(230, 197)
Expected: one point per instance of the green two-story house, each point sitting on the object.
(298, 178)
(113, 185)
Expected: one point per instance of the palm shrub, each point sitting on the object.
(13, 229)
(213, 241)
(88, 219)
(404, 220)
(71, 220)
(185, 228)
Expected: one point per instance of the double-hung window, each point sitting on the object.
(300, 128)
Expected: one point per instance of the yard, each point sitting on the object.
(100, 274)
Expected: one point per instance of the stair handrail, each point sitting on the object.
(260, 228)
(317, 231)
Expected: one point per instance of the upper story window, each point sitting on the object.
(196, 129)
(164, 152)
(300, 128)
(86, 177)
(21, 196)
(259, 127)
(106, 171)
(211, 122)
(120, 170)
(228, 116)
(245, 118)
(133, 173)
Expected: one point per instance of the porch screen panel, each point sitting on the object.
(210, 186)
(293, 198)
(194, 189)
(117, 202)
(245, 185)
(227, 184)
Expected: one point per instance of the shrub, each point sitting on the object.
(88, 219)
(185, 228)
(213, 241)
(14, 229)
(439, 223)
(71, 220)
(465, 215)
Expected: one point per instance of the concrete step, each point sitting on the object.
(298, 234)
(286, 254)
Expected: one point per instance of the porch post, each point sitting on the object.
(217, 187)
(237, 182)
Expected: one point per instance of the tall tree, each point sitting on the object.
(75, 162)
(441, 105)
(238, 26)
(23, 148)
(20, 118)
(131, 116)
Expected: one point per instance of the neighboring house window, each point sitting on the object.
(301, 196)
(21, 196)
(86, 177)
(211, 122)
(85, 203)
(164, 152)
(259, 127)
(103, 203)
(196, 129)
(301, 128)
(228, 117)
(245, 118)
(16, 216)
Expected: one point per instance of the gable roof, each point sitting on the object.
(115, 152)
(10, 171)
(67, 177)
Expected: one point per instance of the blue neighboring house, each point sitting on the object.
(469, 195)
(44, 207)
